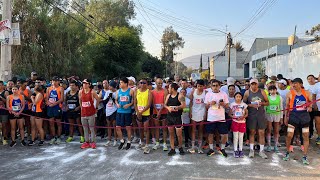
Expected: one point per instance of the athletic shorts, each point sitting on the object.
(4, 118)
(11, 117)
(162, 117)
(220, 126)
(26, 113)
(273, 117)
(256, 122)
(238, 127)
(315, 113)
(38, 114)
(124, 119)
(112, 117)
(143, 119)
(301, 119)
(73, 115)
(172, 120)
(54, 112)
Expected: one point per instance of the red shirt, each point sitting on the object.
(87, 106)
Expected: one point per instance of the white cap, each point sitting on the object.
(132, 79)
(231, 81)
(282, 81)
(254, 81)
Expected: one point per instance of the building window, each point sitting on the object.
(253, 64)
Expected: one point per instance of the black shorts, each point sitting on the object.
(73, 115)
(54, 112)
(143, 119)
(26, 113)
(174, 120)
(162, 117)
(299, 118)
(11, 117)
(112, 117)
(38, 114)
(222, 127)
(314, 113)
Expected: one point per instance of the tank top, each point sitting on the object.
(158, 101)
(72, 101)
(87, 104)
(198, 102)
(123, 99)
(37, 107)
(174, 102)
(255, 98)
(142, 101)
(274, 105)
(111, 106)
(298, 101)
(26, 93)
(54, 96)
(15, 104)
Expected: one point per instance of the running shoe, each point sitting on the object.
(41, 143)
(191, 150)
(305, 160)
(115, 143)
(206, 146)
(269, 149)
(291, 148)
(4, 142)
(52, 141)
(108, 143)
(241, 154)
(121, 145)
(141, 146)
(154, 141)
(276, 149)
(135, 140)
(200, 151)
(228, 144)
(172, 152)
(85, 145)
(13, 143)
(58, 141)
(263, 155)
(223, 153)
(318, 141)
(218, 148)
(247, 143)
(156, 146)
(302, 148)
(186, 145)
(81, 139)
(181, 151)
(165, 147)
(31, 143)
(69, 139)
(146, 150)
(236, 154)
(251, 153)
(128, 146)
(93, 145)
(286, 157)
(23, 143)
(210, 153)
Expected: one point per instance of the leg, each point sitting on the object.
(129, 131)
(146, 130)
(235, 140)
(240, 141)
(290, 134)
(39, 123)
(164, 131)
(179, 134)
(261, 133)
(115, 130)
(200, 134)
(109, 124)
(91, 122)
(71, 127)
(318, 124)
(79, 125)
(59, 127)
(21, 128)
(269, 127)
(85, 123)
(33, 128)
(52, 127)
(305, 135)
(13, 124)
(251, 138)
(157, 130)
(141, 130)
(171, 134)
(276, 133)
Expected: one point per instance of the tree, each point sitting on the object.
(152, 65)
(315, 31)
(238, 46)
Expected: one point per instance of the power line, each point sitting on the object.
(148, 17)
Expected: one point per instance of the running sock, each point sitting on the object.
(235, 140)
(129, 142)
(122, 140)
(223, 146)
(192, 143)
(251, 146)
(261, 148)
(269, 140)
(199, 143)
(276, 140)
(211, 146)
(240, 141)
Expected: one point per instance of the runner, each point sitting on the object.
(316, 96)
(298, 116)
(256, 99)
(198, 115)
(132, 85)
(142, 103)
(37, 115)
(274, 117)
(185, 118)
(216, 103)
(15, 105)
(230, 81)
(184, 85)
(4, 117)
(27, 108)
(10, 85)
(239, 113)
(88, 112)
(111, 111)
(160, 113)
(124, 102)
(312, 88)
(174, 104)
(54, 99)
(73, 111)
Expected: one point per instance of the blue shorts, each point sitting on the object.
(54, 112)
(220, 126)
(124, 119)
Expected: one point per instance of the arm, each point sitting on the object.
(9, 109)
(118, 105)
(266, 100)
(309, 109)
(165, 103)
(191, 102)
(314, 96)
(182, 100)
(281, 107)
(80, 101)
(96, 96)
(23, 105)
(135, 102)
(38, 98)
(149, 102)
(286, 115)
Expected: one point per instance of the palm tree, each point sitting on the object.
(238, 46)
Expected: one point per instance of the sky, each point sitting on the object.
(195, 19)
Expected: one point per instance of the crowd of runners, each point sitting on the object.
(193, 115)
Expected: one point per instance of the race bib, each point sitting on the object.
(158, 106)
(238, 113)
(124, 98)
(174, 108)
(300, 106)
(52, 100)
(86, 104)
(215, 107)
(198, 101)
(273, 107)
(141, 108)
(34, 108)
(71, 106)
(16, 108)
(110, 104)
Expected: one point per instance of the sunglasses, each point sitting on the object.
(143, 83)
(215, 85)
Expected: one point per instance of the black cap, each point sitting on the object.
(297, 80)
(55, 78)
(113, 84)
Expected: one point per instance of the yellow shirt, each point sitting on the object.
(142, 101)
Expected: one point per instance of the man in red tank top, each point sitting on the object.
(88, 111)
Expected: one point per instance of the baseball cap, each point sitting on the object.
(269, 81)
(132, 79)
(297, 80)
(254, 80)
(282, 81)
(231, 81)
(113, 84)
(55, 78)
(87, 81)
(34, 73)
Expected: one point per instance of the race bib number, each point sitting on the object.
(124, 98)
(300, 106)
(198, 101)
(158, 106)
(141, 108)
(238, 113)
(110, 104)
(16, 108)
(215, 107)
(273, 107)
(174, 108)
(86, 104)
(71, 106)
(52, 100)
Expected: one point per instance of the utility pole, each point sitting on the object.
(294, 38)
(5, 65)
(200, 68)
(229, 43)
(209, 68)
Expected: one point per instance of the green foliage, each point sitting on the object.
(152, 65)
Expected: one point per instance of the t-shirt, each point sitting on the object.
(216, 112)
(225, 89)
(185, 114)
(316, 91)
(188, 91)
(238, 110)
(283, 94)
